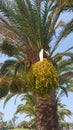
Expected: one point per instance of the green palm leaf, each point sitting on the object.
(28, 107)
(9, 96)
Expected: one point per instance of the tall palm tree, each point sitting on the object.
(27, 26)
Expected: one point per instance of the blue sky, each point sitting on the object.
(11, 107)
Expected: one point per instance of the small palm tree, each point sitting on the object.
(26, 28)
(28, 108)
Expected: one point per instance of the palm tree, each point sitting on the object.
(29, 108)
(26, 28)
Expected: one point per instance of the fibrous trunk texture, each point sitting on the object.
(46, 113)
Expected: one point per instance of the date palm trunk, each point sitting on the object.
(46, 113)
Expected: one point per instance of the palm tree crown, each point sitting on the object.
(22, 32)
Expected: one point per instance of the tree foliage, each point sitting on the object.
(23, 37)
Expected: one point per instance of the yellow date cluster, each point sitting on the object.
(42, 78)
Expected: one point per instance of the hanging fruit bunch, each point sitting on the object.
(42, 78)
(16, 85)
(8, 48)
(4, 87)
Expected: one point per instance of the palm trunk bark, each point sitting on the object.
(46, 113)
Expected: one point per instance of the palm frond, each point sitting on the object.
(55, 16)
(8, 97)
(68, 6)
(63, 111)
(65, 66)
(26, 108)
(63, 34)
(6, 65)
(33, 36)
(29, 98)
(66, 74)
(58, 58)
(8, 48)
(70, 87)
(29, 107)
(12, 35)
(65, 90)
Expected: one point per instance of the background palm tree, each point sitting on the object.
(28, 109)
(26, 28)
